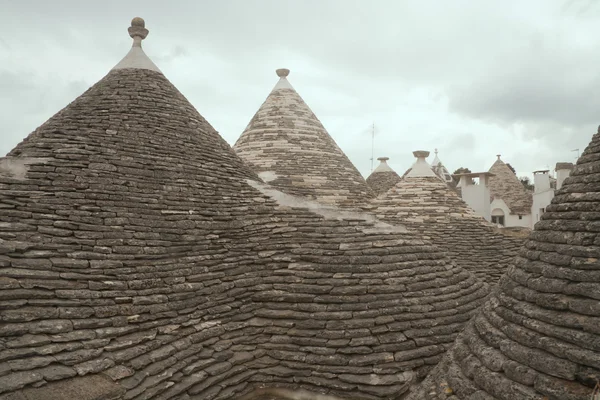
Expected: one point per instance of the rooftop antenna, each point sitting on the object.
(372, 145)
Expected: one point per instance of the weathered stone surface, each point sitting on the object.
(534, 337)
(164, 267)
(290, 149)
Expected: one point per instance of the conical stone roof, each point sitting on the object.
(422, 202)
(383, 178)
(440, 169)
(290, 149)
(141, 258)
(506, 186)
(538, 336)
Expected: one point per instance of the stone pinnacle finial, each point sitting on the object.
(421, 154)
(498, 155)
(138, 29)
(436, 152)
(382, 159)
(282, 72)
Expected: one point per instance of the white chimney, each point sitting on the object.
(476, 194)
(541, 180)
(563, 170)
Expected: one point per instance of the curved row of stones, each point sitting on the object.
(538, 336)
(424, 203)
(141, 258)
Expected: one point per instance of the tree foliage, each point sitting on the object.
(461, 170)
(526, 182)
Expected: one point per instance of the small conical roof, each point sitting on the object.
(538, 336)
(506, 186)
(383, 177)
(425, 204)
(140, 257)
(440, 169)
(288, 147)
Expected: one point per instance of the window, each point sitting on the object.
(498, 219)
(520, 217)
(541, 212)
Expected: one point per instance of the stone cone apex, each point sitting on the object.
(538, 336)
(421, 167)
(505, 185)
(136, 58)
(141, 258)
(383, 178)
(287, 145)
(428, 206)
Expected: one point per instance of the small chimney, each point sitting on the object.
(476, 194)
(541, 180)
(563, 170)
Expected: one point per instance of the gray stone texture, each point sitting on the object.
(137, 252)
(427, 206)
(506, 186)
(287, 140)
(382, 181)
(538, 335)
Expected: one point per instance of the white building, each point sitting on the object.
(500, 197)
(545, 188)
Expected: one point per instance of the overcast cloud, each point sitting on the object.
(471, 78)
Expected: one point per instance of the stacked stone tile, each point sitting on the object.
(383, 178)
(286, 144)
(424, 203)
(141, 258)
(506, 186)
(538, 336)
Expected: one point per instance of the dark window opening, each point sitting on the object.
(498, 219)
(520, 217)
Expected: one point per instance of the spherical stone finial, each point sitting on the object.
(138, 28)
(137, 21)
(282, 72)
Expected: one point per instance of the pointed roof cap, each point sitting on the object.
(136, 58)
(286, 144)
(383, 165)
(421, 167)
(440, 169)
(436, 160)
(383, 177)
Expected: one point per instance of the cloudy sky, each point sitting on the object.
(471, 78)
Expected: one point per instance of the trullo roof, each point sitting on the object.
(538, 336)
(383, 177)
(425, 204)
(506, 186)
(289, 148)
(141, 258)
